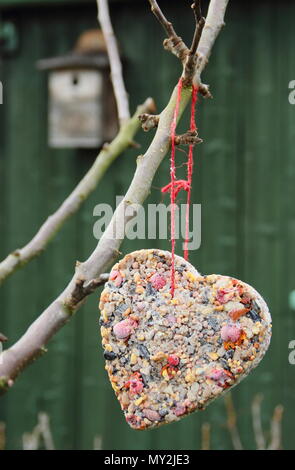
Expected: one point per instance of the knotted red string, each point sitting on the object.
(177, 185)
(173, 181)
(190, 165)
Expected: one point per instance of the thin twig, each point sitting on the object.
(41, 432)
(44, 424)
(173, 43)
(32, 344)
(257, 424)
(196, 7)
(197, 36)
(205, 432)
(232, 422)
(2, 435)
(115, 61)
(167, 25)
(200, 22)
(191, 61)
(97, 442)
(276, 429)
(73, 202)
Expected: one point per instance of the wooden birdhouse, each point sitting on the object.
(81, 104)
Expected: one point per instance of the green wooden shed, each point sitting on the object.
(244, 179)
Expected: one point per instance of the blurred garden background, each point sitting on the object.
(244, 180)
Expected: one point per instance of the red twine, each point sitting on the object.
(190, 164)
(177, 185)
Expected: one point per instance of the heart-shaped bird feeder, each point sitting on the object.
(168, 356)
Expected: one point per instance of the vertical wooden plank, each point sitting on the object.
(64, 171)
(50, 179)
(261, 246)
(3, 231)
(284, 122)
(21, 126)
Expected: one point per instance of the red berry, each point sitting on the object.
(158, 281)
(180, 410)
(135, 383)
(230, 333)
(220, 376)
(133, 420)
(217, 374)
(124, 328)
(173, 360)
(135, 386)
(116, 277)
(224, 295)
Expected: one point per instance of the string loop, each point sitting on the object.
(175, 186)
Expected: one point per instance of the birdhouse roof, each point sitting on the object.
(74, 61)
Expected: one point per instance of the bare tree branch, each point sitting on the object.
(32, 343)
(212, 27)
(205, 436)
(83, 288)
(276, 429)
(173, 43)
(275, 442)
(73, 202)
(256, 420)
(232, 422)
(190, 64)
(204, 38)
(2, 435)
(167, 25)
(149, 121)
(41, 433)
(20, 257)
(196, 7)
(97, 442)
(115, 62)
(197, 36)
(275, 426)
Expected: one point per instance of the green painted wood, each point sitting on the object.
(286, 130)
(244, 178)
(262, 201)
(26, 3)
(21, 208)
(5, 4)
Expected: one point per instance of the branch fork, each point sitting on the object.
(149, 121)
(195, 58)
(83, 288)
